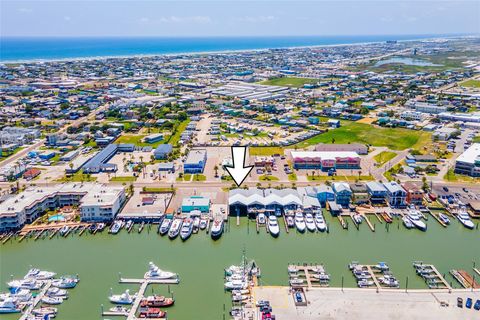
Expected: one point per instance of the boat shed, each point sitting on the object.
(196, 203)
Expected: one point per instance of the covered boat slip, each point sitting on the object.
(248, 201)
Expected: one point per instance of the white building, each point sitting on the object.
(468, 163)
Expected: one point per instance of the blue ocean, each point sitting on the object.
(24, 48)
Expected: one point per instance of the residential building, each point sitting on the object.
(396, 195)
(377, 192)
(343, 193)
(162, 151)
(359, 193)
(99, 163)
(325, 160)
(324, 194)
(414, 193)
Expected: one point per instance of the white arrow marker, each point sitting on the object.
(238, 171)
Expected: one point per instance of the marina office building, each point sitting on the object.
(325, 160)
(96, 202)
(468, 163)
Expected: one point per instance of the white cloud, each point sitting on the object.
(177, 19)
(255, 19)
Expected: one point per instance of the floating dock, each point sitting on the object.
(27, 312)
(465, 279)
(306, 272)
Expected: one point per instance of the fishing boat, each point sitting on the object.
(407, 223)
(100, 227)
(415, 217)
(239, 297)
(444, 218)
(124, 298)
(217, 228)
(320, 222)
(321, 276)
(300, 222)
(364, 283)
(52, 300)
(382, 266)
(9, 306)
(153, 313)
(290, 221)
(464, 219)
(310, 223)
(175, 228)
(244, 291)
(116, 226)
(155, 272)
(273, 226)
(262, 219)
(187, 228)
(38, 274)
(45, 312)
(296, 282)
(63, 231)
(65, 282)
(236, 285)
(57, 292)
(30, 284)
(389, 281)
(156, 301)
(164, 226)
(203, 223)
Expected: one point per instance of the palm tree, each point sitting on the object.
(216, 171)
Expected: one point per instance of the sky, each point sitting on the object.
(70, 18)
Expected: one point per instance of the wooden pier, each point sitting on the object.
(443, 224)
(465, 279)
(306, 272)
(432, 275)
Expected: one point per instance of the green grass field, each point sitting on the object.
(137, 139)
(471, 83)
(267, 178)
(173, 140)
(451, 176)
(123, 179)
(77, 177)
(393, 138)
(265, 151)
(289, 82)
(383, 157)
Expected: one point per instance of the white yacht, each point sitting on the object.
(124, 298)
(187, 229)
(236, 285)
(164, 226)
(175, 228)
(416, 219)
(18, 295)
(155, 273)
(217, 228)
(65, 283)
(52, 300)
(310, 222)
(320, 222)
(464, 218)
(9, 306)
(300, 222)
(44, 312)
(38, 274)
(56, 292)
(30, 284)
(273, 226)
(407, 223)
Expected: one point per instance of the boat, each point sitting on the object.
(382, 266)
(217, 228)
(124, 298)
(9, 306)
(290, 221)
(464, 219)
(321, 276)
(196, 223)
(18, 295)
(300, 222)
(164, 226)
(175, 228)
(156, 273)
(140, 228)
(38, 274)
(152, 313)
(239, 297)
(244, 291)
(30, 284)
(407, 223)
(65, 283)
(45, 312)
(236, 285)
(115, 228)
(352, 265)
(187, 229)
(63, 231)
(100, 227)
(444, 218)
(386, 217)
(310, 223)
(129, 225)
(357, 218)
(320, 222)
(415, 217)
(236, 276)
(389, 281)
(273, 226)
(92, 228)
(52, 300)
(119, 309)
(203, 223)
(57, 292)
(262, 219)
(364, 283)
(296, 281)
(156, 301)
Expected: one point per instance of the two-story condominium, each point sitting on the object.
(195, 162)
(343, 193)
(414, 193)
(377, 192)
(396, 195)
(359, 193)
(324, 194)
(325, 160)
(96, 202)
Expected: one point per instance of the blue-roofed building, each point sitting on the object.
(324, 194)
(99, 163)
(343, 193)
(377, 192)
(162, 151)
